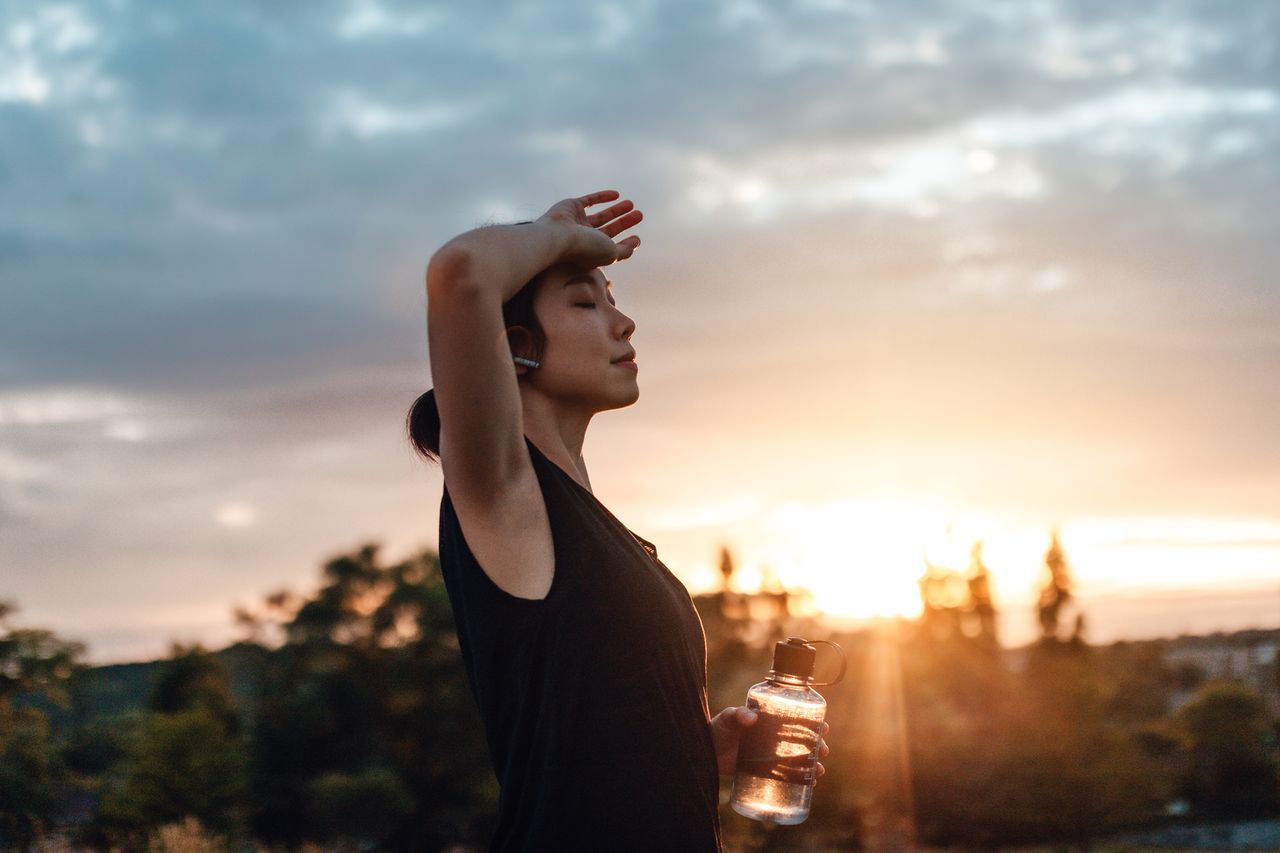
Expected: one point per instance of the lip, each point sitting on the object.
(629, 364)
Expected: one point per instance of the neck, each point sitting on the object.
(559, 434)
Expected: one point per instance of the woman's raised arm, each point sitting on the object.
(468, 280)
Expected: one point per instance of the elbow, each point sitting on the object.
(449, 267)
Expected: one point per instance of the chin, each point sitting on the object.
(625, 400)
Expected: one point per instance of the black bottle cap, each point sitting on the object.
(794, 657)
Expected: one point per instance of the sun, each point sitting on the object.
(859, 559)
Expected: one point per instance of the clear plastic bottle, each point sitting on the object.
(778, 755)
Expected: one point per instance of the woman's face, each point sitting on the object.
(586, 338)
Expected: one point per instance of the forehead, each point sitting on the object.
(593, 277)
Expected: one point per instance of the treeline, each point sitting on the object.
(344, 720)
(356, 730)
(942, 737)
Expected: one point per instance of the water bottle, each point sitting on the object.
(778, 756)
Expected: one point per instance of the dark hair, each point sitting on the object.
(423, 421)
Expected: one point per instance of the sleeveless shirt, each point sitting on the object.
(593, 699)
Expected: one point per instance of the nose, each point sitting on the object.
(628, 326)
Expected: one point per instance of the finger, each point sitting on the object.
(821, 770)
(823, 750)
(598, 197)
(627, 246)
(746, 717)
(617, 226)
(595, 220)
(727, 716)
(826, 727)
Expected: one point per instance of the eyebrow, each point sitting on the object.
(583, 278)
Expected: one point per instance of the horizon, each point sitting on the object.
(1213, 628)
(1148, 616)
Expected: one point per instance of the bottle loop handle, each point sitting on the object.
(844, 663)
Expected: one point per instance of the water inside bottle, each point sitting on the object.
(770, 800)
(777, 760)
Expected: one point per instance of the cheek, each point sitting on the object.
(580, 331)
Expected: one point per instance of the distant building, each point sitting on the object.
(1251, 658)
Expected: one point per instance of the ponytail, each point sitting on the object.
(423, 426)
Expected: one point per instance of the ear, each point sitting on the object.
(520, 340)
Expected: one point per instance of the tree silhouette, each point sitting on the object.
(980, 607)
(184, 757)
(1232, 772)
(194, 678)
(366, 730)
(726, 567)
(35, 667)
(1056, 593)
(35, 660)
(959, 605)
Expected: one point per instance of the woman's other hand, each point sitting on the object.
(726, 732)
(591, 243)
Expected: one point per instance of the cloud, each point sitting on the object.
(358, 114)
(921, 240)
(42, 57)
(371, 19)
(47, 406)
(236, 515)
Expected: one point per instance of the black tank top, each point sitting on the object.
(593, 699)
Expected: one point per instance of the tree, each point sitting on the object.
(980, 608)
(1056, 594)
(184, 757)
(35, 667)
(179, 764)
(194, 678)
(34, 660)
(27, 776)
(1231, 772)
(357, 805)
(367, 702)
(957, 605)
(999, 757)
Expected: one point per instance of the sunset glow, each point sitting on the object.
(862, 559)
(857, 558)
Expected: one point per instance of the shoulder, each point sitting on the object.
(508, 531)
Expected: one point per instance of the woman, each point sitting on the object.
(584, 652)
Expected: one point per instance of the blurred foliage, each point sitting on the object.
(180, 756)
(367, 702)
(344, 721)
(35, 668)
(1231, 740)
(179, 764)
(27, 774)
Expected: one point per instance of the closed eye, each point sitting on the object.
(584, 305)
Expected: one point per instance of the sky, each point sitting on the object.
(913, 274)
